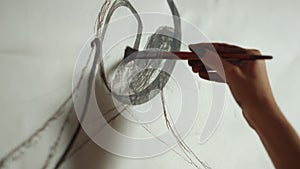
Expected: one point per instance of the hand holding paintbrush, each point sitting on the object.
(250, 86)
(229, 53)
(233, 54)
(244, 70)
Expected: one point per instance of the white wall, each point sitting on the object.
(40, 40)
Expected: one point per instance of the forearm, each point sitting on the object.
(279, 138)
(249, 84)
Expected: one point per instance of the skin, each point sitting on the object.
(250, 86)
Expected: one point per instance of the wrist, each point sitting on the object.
(264, 115)
(262, 110)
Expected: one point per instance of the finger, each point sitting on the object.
(231, 49)
(237, 57)
(199, 69)
(213, 60)
(196, 69)
(198, 64)
(211, 76)
(227, 48)
(195, 63)
(223, 48)
(220, 48)
(253, 52)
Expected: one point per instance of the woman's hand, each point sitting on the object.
(249, 84)
(248, 79)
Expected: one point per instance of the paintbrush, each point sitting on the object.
(195, 54)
